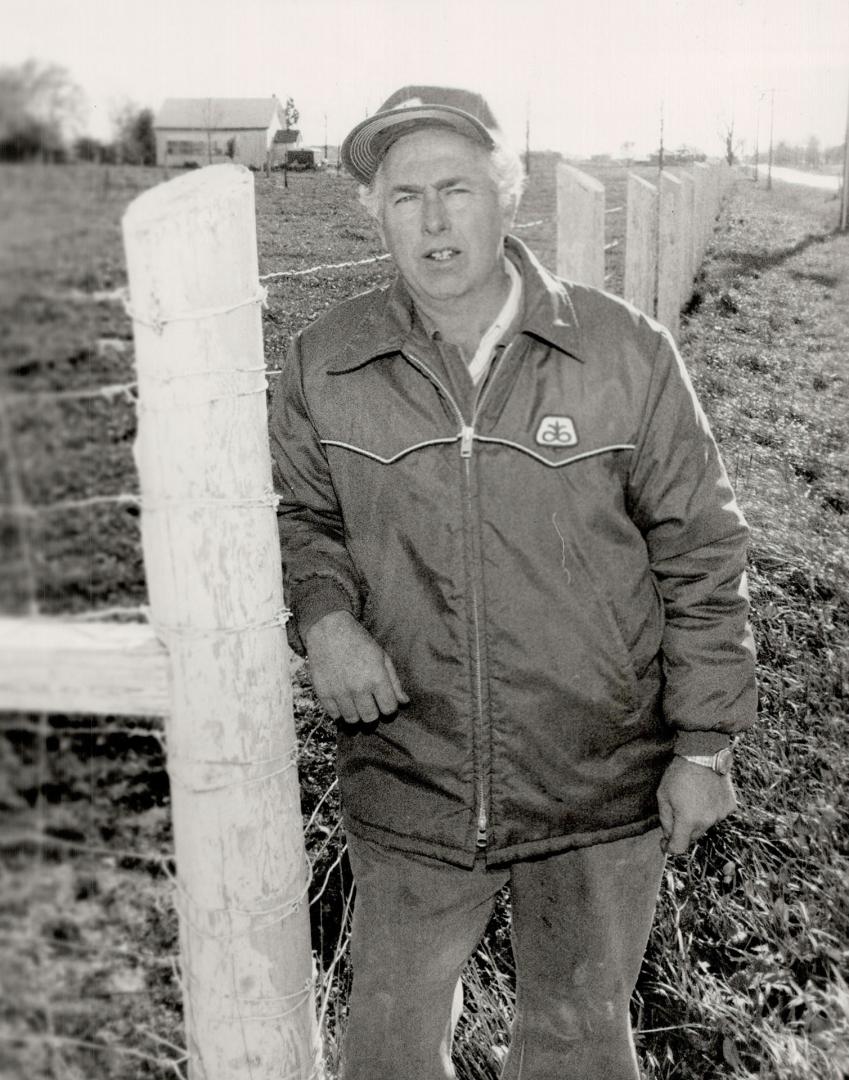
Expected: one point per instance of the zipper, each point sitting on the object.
(466, 444)
(467, 435)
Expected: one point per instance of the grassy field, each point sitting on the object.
(743, 973)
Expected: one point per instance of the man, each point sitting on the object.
(517, 569)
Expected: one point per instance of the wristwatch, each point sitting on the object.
(720, 762)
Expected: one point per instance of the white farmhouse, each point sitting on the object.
(205, 131)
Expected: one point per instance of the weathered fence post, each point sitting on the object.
(641, 244)
(580, 227)
(214, 581)
(687, 233)
(704, 217)
(672, 251)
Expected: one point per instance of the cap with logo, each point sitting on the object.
(408, 109)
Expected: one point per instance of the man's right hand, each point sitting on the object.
(352, 676)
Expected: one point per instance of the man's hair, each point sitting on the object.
(506, 170)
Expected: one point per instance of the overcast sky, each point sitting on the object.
(588, 76)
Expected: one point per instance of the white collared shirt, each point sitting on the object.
(479, 364)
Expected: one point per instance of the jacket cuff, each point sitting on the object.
(701, 742)
(318, 597)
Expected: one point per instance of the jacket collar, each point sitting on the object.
(391, 324)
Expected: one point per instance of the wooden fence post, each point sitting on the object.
(641, 244)
(580, 227)
(214, 580)
(672, 251)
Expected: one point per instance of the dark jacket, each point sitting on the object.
(558, 578)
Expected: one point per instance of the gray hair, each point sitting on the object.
(505, 167)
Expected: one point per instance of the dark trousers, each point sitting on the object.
(580, 923)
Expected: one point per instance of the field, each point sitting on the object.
(743, 972)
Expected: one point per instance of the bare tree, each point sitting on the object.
(730, 144)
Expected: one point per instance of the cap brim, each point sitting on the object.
(365, 146)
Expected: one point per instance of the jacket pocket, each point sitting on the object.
(611, 629)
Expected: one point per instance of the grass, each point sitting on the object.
(743, 975)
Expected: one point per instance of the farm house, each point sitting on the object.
(203, 131)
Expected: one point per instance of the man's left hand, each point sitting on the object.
(690, 799)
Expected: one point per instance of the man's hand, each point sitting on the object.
(352, 676)
(690, 799)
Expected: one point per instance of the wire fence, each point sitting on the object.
(88, 928)
(86, 798)
(89, 952)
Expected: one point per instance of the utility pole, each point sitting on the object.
(325, 138)
(844, 200)
(527, 136)
(761, 96)
(660, 151)
(771, 128)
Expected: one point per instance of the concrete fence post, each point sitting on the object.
(214, 582)
(641, 244)
(703, 210)
(672, 251)
(687, 231)
(580, 227)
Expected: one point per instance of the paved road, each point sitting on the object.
(797, 176)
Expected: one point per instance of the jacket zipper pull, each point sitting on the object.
(466, 436)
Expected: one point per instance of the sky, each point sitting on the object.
(580, 78)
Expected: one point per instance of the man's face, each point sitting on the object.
(441, 220)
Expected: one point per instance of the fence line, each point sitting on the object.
(41, 837)
(666, 238)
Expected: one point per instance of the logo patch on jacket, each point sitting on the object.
(556, 431)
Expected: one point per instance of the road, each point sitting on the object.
(798, 176)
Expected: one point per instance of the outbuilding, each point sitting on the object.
(205, 131)
(286, 143)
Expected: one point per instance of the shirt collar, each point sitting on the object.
(392, 322)
(502, 322)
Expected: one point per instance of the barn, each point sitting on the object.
(205, 131)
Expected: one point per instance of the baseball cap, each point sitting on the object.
(408, 109)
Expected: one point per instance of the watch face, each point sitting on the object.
(722, 762)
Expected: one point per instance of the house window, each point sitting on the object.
(185, 147)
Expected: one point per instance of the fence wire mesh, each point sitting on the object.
(91, 981)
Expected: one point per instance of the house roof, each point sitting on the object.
(287, 135)
(213, 113)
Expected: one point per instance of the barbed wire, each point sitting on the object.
(24, 725)
(322, 267)
(34, 509)
(138, 612)
(13, 840)
(83, 394)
